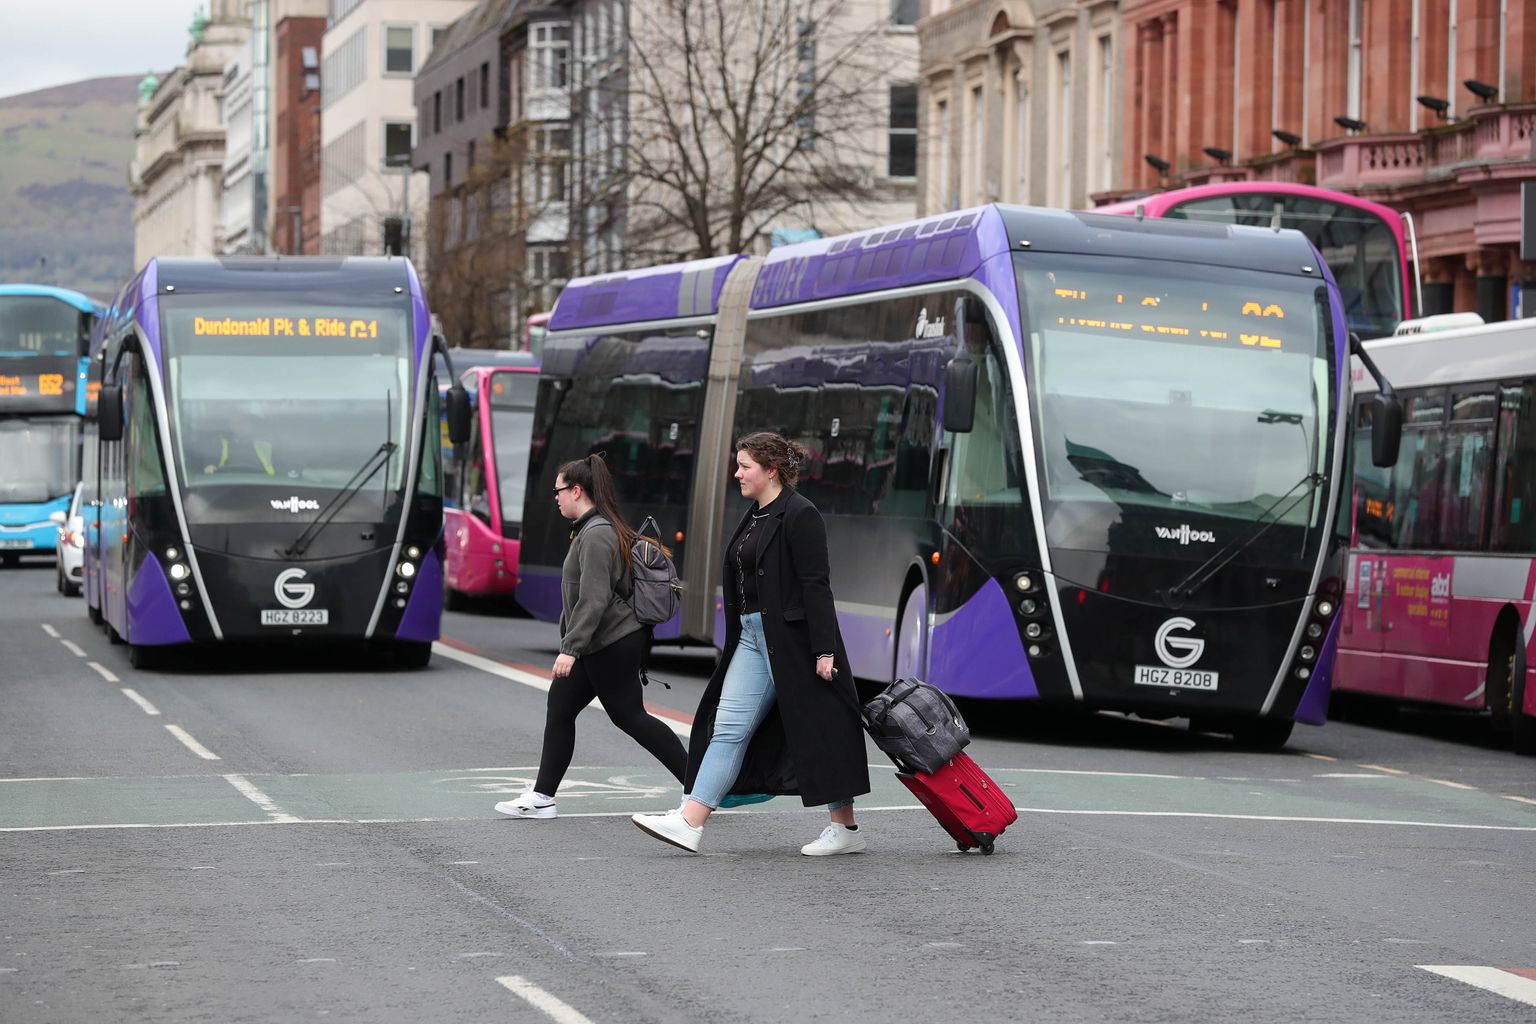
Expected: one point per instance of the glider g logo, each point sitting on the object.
(291, 593)
(1177, 651)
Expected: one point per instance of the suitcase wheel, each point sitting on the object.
(986, 849)
(962, 847)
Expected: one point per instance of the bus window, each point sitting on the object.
(1514, 499)
(1416, 478)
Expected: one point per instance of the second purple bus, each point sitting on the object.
(1065, 457)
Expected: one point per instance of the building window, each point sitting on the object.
(437, 33)
(1105, 113)
(447, 170)
(550, 46)
(485, 85)
(552, 157)
(1064, 126)
(397, 143)
(905, 12)
(548, 264)
(345, 67)
(399, 47)
(437, 112)
(469, 158)
(902, 160)
(943, 199)
(458, 99)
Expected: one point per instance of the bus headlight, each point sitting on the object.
(413, 553)
(406, 570)
(1314, 630)
(183, 589)
(171, 554)
(180, 571)
(1307, 652)
(402, 587)
(1303, 673)
(1024, 582)
(1034, 631)
(1028, 606)
(1324, 608)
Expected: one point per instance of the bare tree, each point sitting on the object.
(744, 113)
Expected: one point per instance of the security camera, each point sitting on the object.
(1349, 124)
(1157, 163)
(1439, 106)
(1223, 156)
(1289, 138)
(1482, 90)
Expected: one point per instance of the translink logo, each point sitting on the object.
(295, 504)
(1184, 535)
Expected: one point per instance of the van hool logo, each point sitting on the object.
(295, 504)
(1184, 534)
(1177, 651)
(928, 328)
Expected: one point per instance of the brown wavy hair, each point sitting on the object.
(774, 451)
(592, 476)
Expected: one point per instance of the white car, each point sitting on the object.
(71, 558)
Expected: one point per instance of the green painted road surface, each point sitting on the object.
(1341, 798)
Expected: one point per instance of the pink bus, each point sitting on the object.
(484, 531)
(1370, 248)
(1442, 571)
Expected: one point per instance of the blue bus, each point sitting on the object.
(44, 332)
(268, 461)
(1068, 457)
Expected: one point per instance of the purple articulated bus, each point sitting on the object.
(268, 465)
(1069, 457)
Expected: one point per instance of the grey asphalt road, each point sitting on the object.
(266, 836)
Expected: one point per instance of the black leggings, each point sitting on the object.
(613, 676)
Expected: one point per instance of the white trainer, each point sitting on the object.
(835, 839)
(529, 805)
(672, 828)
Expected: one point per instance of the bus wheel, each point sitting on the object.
(907, 662)
(453, 600)
(93, 613)
(10, 560)
(411, 654)
(113, 636)
(1262, 733)
(142, 658)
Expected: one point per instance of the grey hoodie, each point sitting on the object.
(592, 614)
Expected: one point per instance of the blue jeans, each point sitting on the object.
(746, 697)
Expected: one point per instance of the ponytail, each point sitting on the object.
(592, 476)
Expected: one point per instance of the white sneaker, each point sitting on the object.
(672, 828)
(529, 805)
(835, 839)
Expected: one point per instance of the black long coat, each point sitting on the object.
(811, 743)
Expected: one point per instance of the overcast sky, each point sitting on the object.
(51, 42)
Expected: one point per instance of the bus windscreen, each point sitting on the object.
(1148, 379)
(306, 392)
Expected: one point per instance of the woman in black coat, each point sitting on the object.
(780, 713)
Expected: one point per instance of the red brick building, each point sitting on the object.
(296, 140)
(1345, 77)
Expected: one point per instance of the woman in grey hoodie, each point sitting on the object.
(602, 644)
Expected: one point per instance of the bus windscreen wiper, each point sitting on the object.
(1211, 566)
(365, 472)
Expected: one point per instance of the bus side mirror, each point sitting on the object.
(458, 414)
(1386, 429)
(109, 412)
(960, 394)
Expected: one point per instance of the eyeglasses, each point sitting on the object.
(565, 488)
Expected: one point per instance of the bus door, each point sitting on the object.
(1363, 615)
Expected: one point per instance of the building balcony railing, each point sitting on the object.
(1487, 135)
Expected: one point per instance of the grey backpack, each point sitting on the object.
(654, 589)
(917, 725)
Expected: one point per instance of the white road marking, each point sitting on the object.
(192, 744)
(476, 956)
(1110, 775)
(634, 952)
(1511, 986)
(787, 949)
(517, 675)
(1384, 768)
(257, 797)
(73, 648)
(69, 871)
(1317, 757)
(50, 631)
(202, 867)
(1098, 942)
(465, 862)
(333, 864)
(104, 672)
(555, 1009)
(318, 960)
(133, 695)
(1520, 799)
(1448, 782)
(1350, 775)
(1253, 942)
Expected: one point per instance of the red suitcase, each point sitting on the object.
(973, 809)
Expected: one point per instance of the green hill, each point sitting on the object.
(66, 216)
